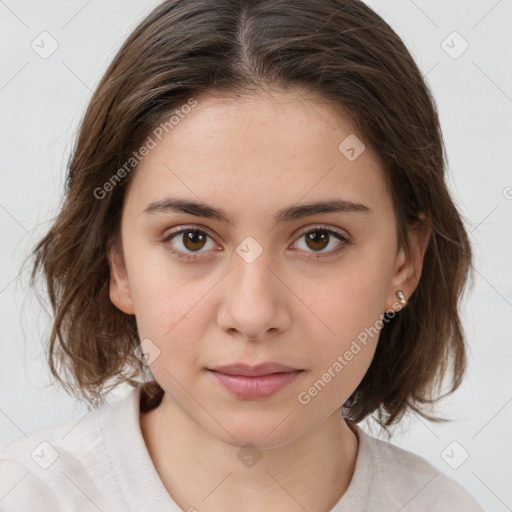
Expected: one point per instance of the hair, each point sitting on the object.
(338, 50)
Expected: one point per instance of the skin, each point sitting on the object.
(252, 156)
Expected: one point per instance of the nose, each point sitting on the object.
(255, 302)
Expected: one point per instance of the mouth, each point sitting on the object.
(254, 382)
(253, 371)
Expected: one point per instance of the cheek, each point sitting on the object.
(346, 322)
(164, 293)
(174, 310)
(350, 299)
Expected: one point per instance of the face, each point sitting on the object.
(250, 275)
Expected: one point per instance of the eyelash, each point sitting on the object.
(192, 256)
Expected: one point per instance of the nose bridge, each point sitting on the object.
(252, 301)
(252, 274)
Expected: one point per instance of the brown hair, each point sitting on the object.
(339, 50)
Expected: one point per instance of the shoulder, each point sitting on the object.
(61, 465)
(407, 481)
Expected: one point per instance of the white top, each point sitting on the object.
(102, 463)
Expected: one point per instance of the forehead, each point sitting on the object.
(262, 151)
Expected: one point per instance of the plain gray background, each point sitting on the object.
(43, 99)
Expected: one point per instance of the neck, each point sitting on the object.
(202, 472)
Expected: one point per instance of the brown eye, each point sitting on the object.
(317, 240)
(322, 242)
(193, 240)
(186, 242)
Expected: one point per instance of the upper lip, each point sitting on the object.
(253, 371)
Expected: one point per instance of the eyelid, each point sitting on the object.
(192, 227)
(325, 227)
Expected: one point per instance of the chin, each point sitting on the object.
(261, 429)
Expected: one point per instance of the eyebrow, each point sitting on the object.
(284, 215)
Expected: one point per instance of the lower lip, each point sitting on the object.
(250, 388)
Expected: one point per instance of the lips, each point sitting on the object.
(253, 371)
(254, 382)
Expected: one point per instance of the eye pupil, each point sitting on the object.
(317, 237)
(193, 239)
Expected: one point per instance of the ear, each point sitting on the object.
(409, 263)
(120, 293)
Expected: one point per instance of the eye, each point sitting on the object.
(320, 238)
(185, 243)
(189, 241)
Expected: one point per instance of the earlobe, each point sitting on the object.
(120, 293)
(409, 264)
